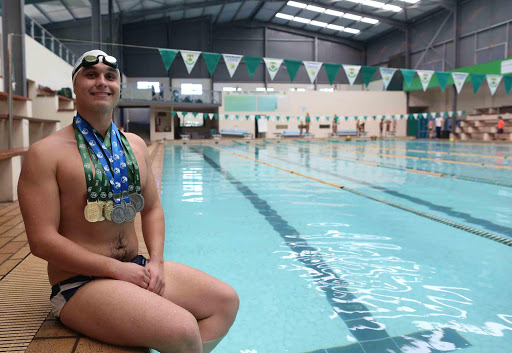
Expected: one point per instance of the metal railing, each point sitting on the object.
(129, 91)
(41, 35)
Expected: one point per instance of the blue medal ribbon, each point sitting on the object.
(120, 163)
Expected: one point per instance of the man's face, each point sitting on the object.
(97, 88)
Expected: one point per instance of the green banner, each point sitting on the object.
(212, 60)
(368, 72)
(477, 80)
(408, 76)
(508, 83)
(173, 113)
(292, 66)
(442, 79)
(252, 63)
(168, 56)
(331, 70)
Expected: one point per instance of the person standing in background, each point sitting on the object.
(439, 124)
(500, 128)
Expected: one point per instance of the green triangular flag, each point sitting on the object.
(288, 118)
(442, 78)
(252, 63)
(408, 75)
(168, 56)
(368, 72)
(278, 117)
(374, 117)
(346, 118)
(195, 114)
(331, 70)
(365, 117)
(173, 113)
(247, 117)
(508, 83)
(317, 118)
(216, 116)
(477, 80)
(212, 60)
(292, 66)
(237, 116)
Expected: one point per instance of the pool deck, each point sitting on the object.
(26, 324)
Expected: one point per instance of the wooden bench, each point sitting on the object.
(235, 132)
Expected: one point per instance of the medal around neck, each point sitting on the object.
(109, 206)
(93, 212)
(129, 212)
(137, 201)
(119, 213)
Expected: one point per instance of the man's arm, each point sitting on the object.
(153, 223)
(38, 194)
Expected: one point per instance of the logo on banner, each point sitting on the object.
(273, 66)
(351, 71)
(493, 81)
(190, 59)
(459, 78)
(425, 76)
(232, 62)
(312, 68)
(387, 75)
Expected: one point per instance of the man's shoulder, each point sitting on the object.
(135, 140)
(51, 144)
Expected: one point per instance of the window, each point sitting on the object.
(148, 84)
(193, 89)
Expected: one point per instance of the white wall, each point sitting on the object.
(44, 67)
(342, 103)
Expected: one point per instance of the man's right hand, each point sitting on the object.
(133, 273)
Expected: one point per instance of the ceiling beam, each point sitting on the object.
(238, 11)
(257, 11)
(43, 12)
(63, 2)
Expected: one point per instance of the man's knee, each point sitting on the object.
(229, 301)
(182, 337)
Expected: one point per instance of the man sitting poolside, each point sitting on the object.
(79, 191)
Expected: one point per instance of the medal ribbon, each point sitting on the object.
(120, 162)
(131, 161)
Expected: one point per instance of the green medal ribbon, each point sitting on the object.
(133, 167)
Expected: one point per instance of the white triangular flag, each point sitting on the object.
(272, 66)
(450, 114)
(493, 81)
(252, 117)
(387, 75)
(180, 114)
(210, 115)
(232, 62)
(425, 76)
(415, 115)
(312, 68)
(352, 71)
(424, 115)
(459, 78)
(190, 58)
(459, 112)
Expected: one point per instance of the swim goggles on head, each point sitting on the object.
(91, 60)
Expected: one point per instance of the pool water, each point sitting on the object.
(322, 269)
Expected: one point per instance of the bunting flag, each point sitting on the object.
(508, 83)
(331, 70)
(425, 77)
(368, 72)
(232, 62)
(415, 115)
(450, 114)
(273, 66)
(190, 58)
(408, 76)
(210, 115)
(292, 66)
(493, 81)
(387, 75)
(477, 80)
(312, 68)
(459, 78)
(168, 56)
(442, 79)
(351, 71)
(212, 60)
(252, 63)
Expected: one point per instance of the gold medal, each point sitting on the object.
(102, 205)
(109, 206)
(93, 211)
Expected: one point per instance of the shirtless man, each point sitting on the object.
(125, 300)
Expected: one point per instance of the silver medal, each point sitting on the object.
(119, 213)
(138, 201)
(130, 212)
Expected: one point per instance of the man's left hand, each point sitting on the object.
(156, 276)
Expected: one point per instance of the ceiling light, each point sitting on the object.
(270, 89)
(284, 16)
(318, 23)
(356, 1)
(372, 3)
(300, 19)
(296, 4)
(315, 8)
(352, 17)
(411, 1)
(392, 8)
(335, 27)
(334, 13)
(351, 30)
(301, 90)
(260, 89)
(369, 20)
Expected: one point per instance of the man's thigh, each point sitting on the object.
(196, 291)
(119, 312)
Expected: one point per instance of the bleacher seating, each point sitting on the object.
(235, 132)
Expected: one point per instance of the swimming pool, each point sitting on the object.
(395, 261)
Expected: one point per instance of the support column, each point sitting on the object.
(96, 24)
(265, 55)
(111, 26)
(456, 33)
(407, 60)
(14, 23)
(316, 59)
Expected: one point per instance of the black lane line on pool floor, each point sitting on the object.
(443, 209)
(356, 315)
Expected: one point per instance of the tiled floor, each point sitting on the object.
(26, 324)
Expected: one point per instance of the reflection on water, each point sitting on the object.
(366, 276)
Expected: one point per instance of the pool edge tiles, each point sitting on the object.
(354, 315)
